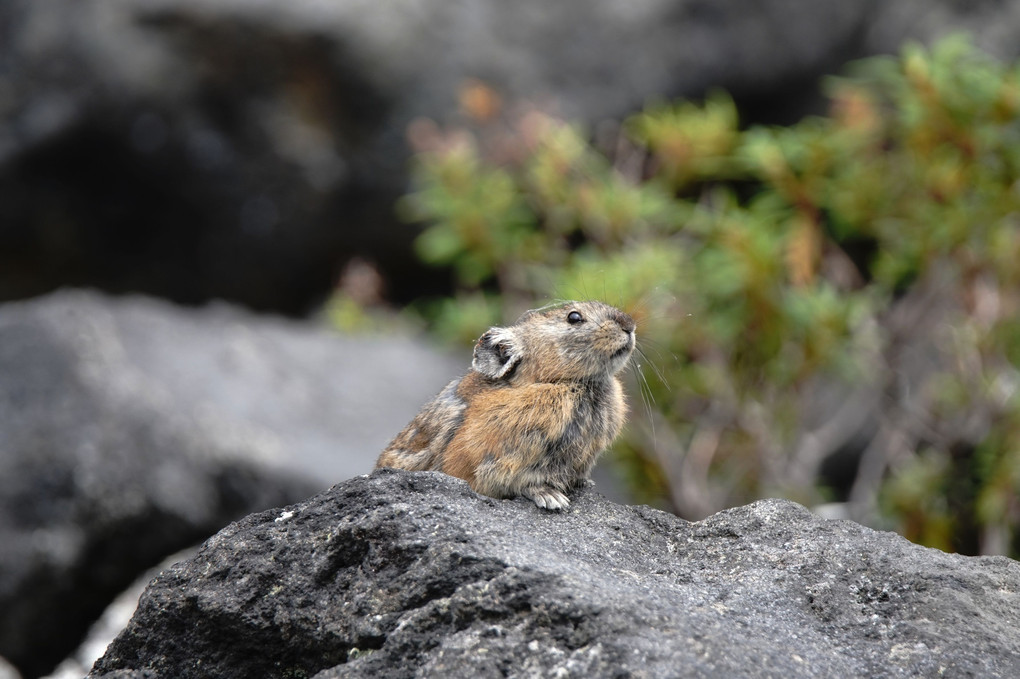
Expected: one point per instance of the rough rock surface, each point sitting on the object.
(114, 619)
(245, 149)
(402, 574)
(131, 428)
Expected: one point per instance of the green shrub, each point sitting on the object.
(844, 288)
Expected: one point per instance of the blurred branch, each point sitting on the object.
(910, 360)
(686, 467)
(814, 446)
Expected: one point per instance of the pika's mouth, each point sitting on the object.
(625, 349)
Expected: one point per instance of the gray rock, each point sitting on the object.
(412, 574)
(113, 620)
(131, 428)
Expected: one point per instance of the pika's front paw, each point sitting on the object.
(547, 498)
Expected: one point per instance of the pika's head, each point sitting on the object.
(568, 341)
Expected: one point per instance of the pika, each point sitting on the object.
(540, 404)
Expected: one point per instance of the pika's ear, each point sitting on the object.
(496, 353)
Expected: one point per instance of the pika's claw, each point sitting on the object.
(547, 498)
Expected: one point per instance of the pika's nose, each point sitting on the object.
(625, 322)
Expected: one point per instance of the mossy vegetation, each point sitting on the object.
(827, 311)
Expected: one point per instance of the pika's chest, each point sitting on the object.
(595, 415)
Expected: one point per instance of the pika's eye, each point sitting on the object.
(574, 317)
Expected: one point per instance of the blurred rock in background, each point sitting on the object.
(130, 428)
(247, 149)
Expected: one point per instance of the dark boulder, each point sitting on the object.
(412, 574)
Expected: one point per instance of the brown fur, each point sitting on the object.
(541, 403)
